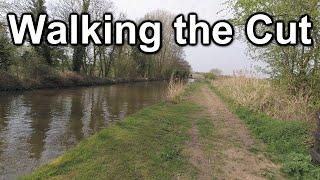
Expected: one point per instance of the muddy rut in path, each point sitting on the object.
(231, 156)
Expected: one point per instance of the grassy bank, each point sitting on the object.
(287, 142)
(147, 145)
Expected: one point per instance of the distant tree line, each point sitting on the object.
(116, 62)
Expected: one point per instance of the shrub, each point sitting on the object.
(210, 76)
(298, 165)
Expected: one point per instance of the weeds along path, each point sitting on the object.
(230, 153)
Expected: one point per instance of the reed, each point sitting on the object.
(176, 88)
(261, 95)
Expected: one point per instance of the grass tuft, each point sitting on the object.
(175, 91)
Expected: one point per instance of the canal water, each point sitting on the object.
(37, 126)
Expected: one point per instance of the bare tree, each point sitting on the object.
(96, 8)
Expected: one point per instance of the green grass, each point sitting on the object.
(207, 134)
(147, 145)
(205, 127)
(287, 142)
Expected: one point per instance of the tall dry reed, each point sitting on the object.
(175, 90)
(261, 95)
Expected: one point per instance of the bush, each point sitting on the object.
(298, 165)
(210, 76)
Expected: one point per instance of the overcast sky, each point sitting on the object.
(201, 58)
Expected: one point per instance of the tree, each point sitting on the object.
(295, 67)
(216, 71)
(124, 62)
(44, 50)
(6, 50)
(96, 8)
(171, 58)
(80, 50)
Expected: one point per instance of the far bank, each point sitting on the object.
(51, 79)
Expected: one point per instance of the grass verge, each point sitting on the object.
(287, 142)
(147, 145)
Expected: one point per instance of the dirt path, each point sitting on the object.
(232, 155)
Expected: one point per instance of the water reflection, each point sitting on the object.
(40, 125)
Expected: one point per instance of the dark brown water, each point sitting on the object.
(40, 125)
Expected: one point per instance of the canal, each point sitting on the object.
(37, 126)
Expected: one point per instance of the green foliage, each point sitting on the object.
(282, 137)
(298, 166)
(295, 67)
(210, 76)
(6, 51)
(182, 73)
(171, 154)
